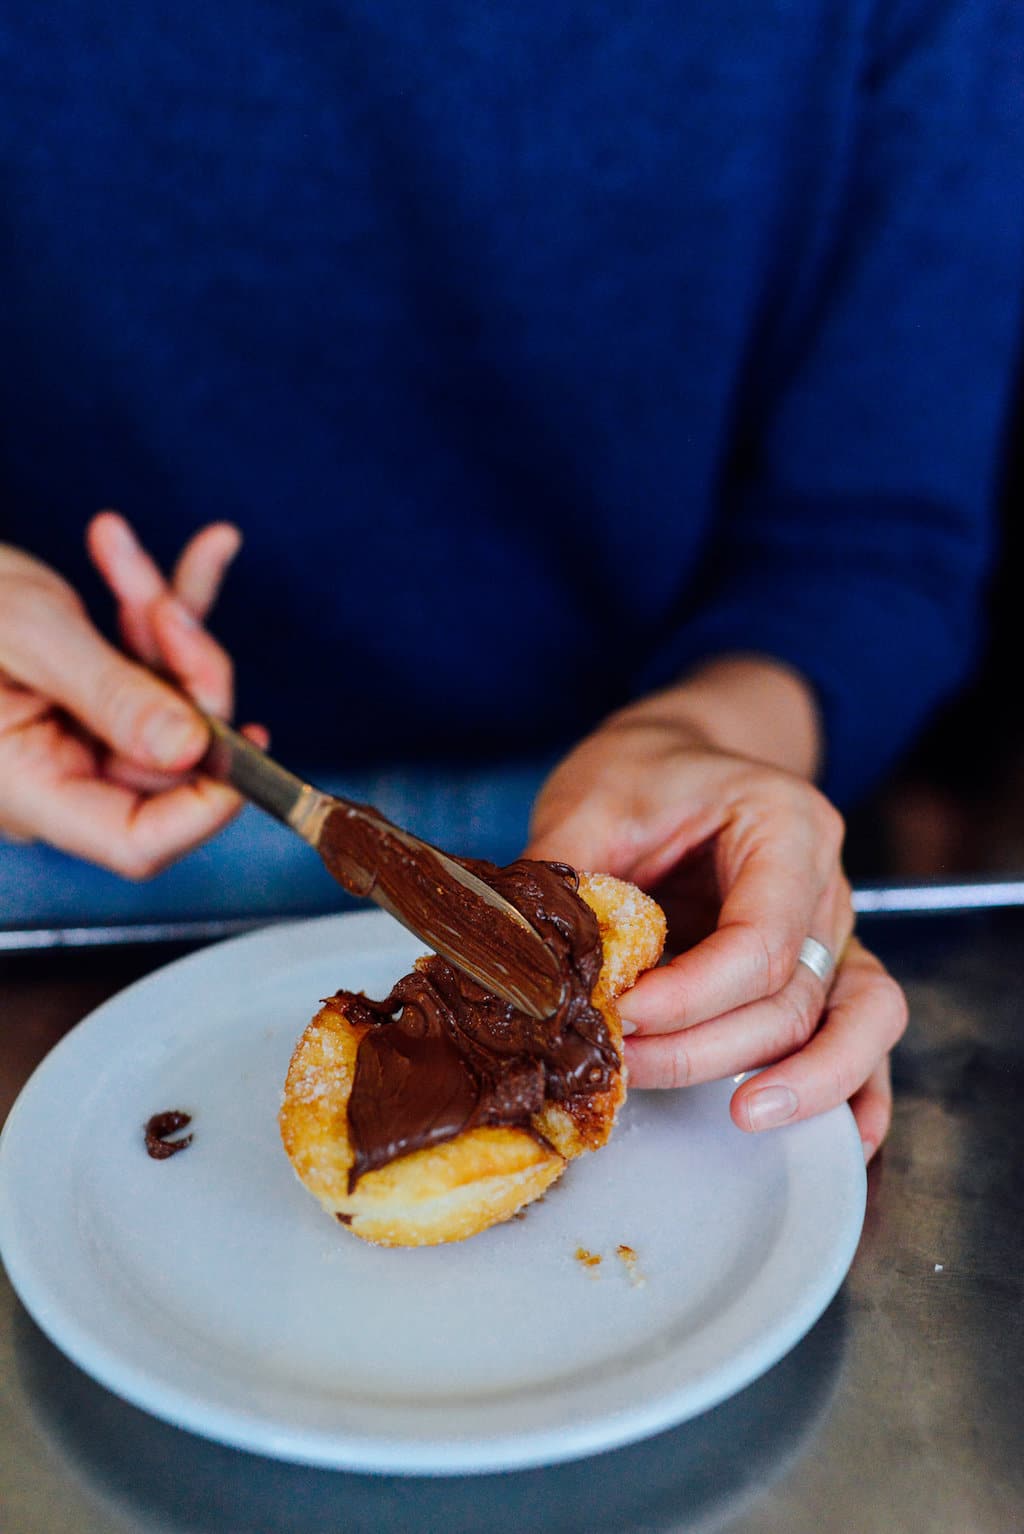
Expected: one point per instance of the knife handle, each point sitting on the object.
(230, 758)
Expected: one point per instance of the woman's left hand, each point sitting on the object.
(745, 857)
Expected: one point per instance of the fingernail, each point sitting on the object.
(623, 1008)
(627, 1027)
(169, 736)
(869, 1148)
(258, 734)
(123, 531)
(237, 531)
(771, 1106)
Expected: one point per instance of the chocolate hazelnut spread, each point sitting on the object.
(159, 1127)
(429, 892)
(441, 1054)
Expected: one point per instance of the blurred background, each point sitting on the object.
(956, 805)
(953, 810)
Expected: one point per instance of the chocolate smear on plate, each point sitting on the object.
(160, 1127)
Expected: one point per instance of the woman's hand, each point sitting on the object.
(745, 857)
(95, 751)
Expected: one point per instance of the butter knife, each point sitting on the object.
(435, 896)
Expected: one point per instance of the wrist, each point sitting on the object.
(745, 705)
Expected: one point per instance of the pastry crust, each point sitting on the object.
(450, 1191)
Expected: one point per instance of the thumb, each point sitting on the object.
(582, 835)
(51, 647)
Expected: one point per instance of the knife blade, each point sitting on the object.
(436, 896)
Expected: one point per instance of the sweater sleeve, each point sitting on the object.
(856, 548)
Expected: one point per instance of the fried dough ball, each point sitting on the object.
(485, 1174)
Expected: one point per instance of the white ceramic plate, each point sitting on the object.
(211, 1290)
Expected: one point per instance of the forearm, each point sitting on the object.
(746, 705)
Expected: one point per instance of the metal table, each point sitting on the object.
(903, 1410)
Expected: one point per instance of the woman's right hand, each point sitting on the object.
(97, 755)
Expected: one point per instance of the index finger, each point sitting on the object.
(752, 952)
(51, 647)
(132, 575)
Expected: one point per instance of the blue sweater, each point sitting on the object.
(540, 350)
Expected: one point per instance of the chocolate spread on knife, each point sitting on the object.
(441, 1054)
(368, 855)
(159, 1127)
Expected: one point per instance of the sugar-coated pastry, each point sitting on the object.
(441, 1110)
